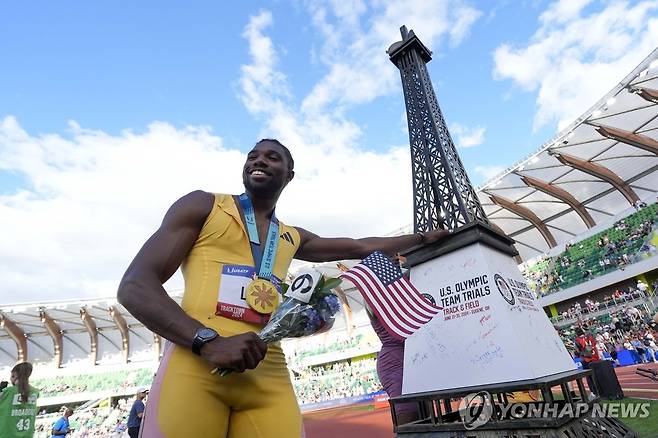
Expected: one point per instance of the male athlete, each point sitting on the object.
(230, 249)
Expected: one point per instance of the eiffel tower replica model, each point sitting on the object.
(492, 338)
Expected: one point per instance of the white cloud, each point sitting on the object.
(464, 18)
(488, 172)
(577, 55)
(354, 49)
(260, 83)
(93, 199)
(467, 137)
(563, 11)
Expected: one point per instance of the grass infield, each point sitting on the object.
(644, 427)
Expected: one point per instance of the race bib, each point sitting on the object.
(231, 300)
(303, 285)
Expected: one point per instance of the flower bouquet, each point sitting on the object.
(297, 317)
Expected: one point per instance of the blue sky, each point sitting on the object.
(121, 65)
(109, 111)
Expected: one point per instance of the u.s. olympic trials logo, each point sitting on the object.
(429, 298)
(476, 409)
(504, 289)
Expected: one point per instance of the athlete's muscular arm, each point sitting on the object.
(314, 248)
(141, 291)
(142, 294)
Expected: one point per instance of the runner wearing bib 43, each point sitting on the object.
(233, 252)
(18, 404)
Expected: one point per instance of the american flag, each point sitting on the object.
(395, 301)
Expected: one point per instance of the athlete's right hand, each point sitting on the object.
(238, 353)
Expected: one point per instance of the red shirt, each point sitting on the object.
(587, 344)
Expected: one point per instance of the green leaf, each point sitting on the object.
(332, 283)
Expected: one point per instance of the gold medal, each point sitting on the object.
(262, 296)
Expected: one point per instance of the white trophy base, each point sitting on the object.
(491, 329)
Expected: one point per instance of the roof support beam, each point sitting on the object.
(123, 329)
(526, 214)
(55, 334)
(157, 346)
(517, 257)
(637, 177)
(643, 142)
(562, 195)
(600, 172)
(17, 335)
(90, 325)
(648, 94)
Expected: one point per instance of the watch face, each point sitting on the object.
(206, 333)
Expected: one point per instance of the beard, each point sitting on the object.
(267, 189)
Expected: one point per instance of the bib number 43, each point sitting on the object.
(23, 424)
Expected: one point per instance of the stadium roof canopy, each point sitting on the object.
(590, 172)
(78, 334)
(75, 333)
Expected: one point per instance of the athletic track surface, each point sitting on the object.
(368, 421)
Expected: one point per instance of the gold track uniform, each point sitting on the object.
(185, 399)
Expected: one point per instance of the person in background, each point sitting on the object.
(136, 413)
(119, 429)
(586, 348)
(18, 404)
(62, 428)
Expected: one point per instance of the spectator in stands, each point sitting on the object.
(18, 404)
(650, 345)
(633, 313)
(586, 349)
(641, 286)
(639, 347)
(628, 345)
(62, 428)
(119, 429)
(136, 413)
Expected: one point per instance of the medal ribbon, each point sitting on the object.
(263, 260)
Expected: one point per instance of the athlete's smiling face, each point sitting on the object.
(267, 170)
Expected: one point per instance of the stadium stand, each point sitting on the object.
(92, 383)
(627, 336)
(105, 420)
(630, 240)
(336, 380)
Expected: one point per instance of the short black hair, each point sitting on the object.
(291, 162)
